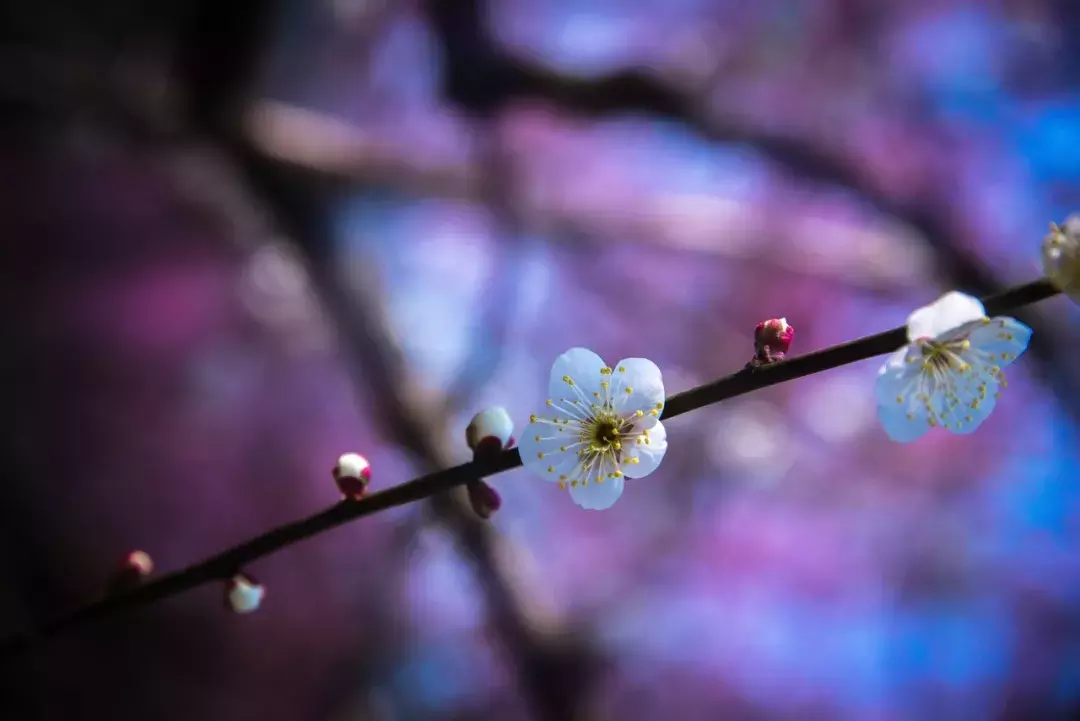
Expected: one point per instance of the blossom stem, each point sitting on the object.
(222, 567)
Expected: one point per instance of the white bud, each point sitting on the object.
(493, 422)
(1061, 256)
(352, 473)
(352, 465)
(244, 595)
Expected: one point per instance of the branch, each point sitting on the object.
(223, 565)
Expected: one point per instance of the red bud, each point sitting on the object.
(772, 339)
(135, 566)
(484, 499)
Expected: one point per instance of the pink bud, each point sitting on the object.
(484, 499)
(352, 473)
(772, 338)
(135, 566)
(243, 594)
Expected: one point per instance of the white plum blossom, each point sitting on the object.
(949, 375)
(604, 426)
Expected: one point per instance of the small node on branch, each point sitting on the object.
(489, 433)
(135, 567)
(1061, 256)
(243, 594)
(772, 339)
(352, 473)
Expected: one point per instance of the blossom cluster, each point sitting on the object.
(602, 423)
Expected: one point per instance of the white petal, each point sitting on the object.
(1004, 339)
(595, 496)
(648, 454)
(896, 377)
(544, 457)
(899, 426)
(581, 366)
(637, 385)
(945, 314)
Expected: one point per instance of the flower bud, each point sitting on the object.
(772, 338)
(490, 431)
(352, 473)
(484, 499)
(243, 595)
(135, 567)
(1061, 256)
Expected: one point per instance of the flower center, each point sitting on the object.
(604, 434)
(940, 357)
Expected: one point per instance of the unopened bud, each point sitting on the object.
(243, 595)
(490, 431)
(484, 499)
(352, 473)
(1061, 256)
(135, 567)
(772, 339)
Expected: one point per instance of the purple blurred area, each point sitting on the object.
(243, 237)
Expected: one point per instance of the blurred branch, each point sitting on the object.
(223, 565)
(555, 678)
(416, 423)
(482, 77)
(345, 156)
(491, 328)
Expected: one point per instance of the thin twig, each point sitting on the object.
(225, 564)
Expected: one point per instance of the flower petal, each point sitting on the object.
(901, 427)
(582, 367)
(648, 454)
(541, 449)
(595, 496)
(637, 385)
(1003, 339)
(943, 315)
(897, 376)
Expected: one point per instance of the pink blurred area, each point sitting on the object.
(195, 338)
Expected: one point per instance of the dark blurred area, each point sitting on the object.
(243, 237)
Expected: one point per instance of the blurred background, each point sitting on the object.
(241, 237)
